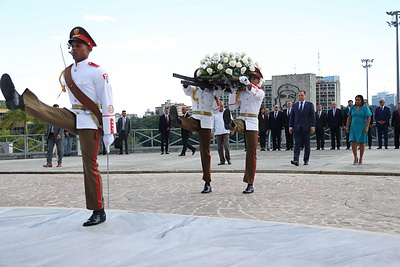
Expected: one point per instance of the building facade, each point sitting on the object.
(327, 91)
(390, 98)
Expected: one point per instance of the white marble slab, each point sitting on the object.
(55, 237)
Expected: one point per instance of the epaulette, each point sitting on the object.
(94, 65)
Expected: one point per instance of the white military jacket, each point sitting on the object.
(92, 80)
(249, 102)
(204, 103)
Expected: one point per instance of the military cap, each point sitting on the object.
(81, 35)
(256, 73)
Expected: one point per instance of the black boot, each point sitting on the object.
(97, 217)
(13, 99)
(249, 189)
(228, 123)
(207, 188)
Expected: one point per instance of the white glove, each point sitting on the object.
(108, 139)
(244, 80)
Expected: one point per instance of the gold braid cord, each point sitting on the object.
(193, 94)
(237, 97)
(59, 79)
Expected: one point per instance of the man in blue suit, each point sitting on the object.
(382, 117)
(301, 125)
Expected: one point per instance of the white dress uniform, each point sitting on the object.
(204, 104)
(249, 102)
(92, 80)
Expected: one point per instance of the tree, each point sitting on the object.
(14, 118)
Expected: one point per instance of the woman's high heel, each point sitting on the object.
(360, 161)
(355, 161)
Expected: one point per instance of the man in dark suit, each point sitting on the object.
(54, 136)
(276, 126)
(301, 125)
(382, 117)
(286, 116)
(185, 136)
(345, 115)
(320, 125)
(123, 131)
(164, 127)
(263, 126)
(371, 123)
(396, 126)
(335, 123)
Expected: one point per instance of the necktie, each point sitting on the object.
(301, 106)
(319, 114)
(123, 123)
(382, 108)
(334, 112)
(166, 119)
(276, 113)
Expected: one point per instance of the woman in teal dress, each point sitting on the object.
(358, 119)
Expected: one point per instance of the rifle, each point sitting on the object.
(210, 83)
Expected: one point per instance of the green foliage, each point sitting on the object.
(14, 118)
(148, 122)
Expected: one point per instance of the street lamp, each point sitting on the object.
(395, 23)
(367, 63)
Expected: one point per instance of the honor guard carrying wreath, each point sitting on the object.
(90, 116)
(224, 71)
(204, 103)
(249, 101)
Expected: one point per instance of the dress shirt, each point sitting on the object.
(219, 125)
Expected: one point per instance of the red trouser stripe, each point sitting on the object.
(95, 170)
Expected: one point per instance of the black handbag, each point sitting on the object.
(117, 143)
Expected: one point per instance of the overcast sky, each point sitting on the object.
(141, 43)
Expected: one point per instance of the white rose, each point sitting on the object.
(207, 56)
(243, 54)
(232, 63)
(224, 53)
(229, 71)
(257, 64)
(238, 64)
(250, 60)
(226, 60)
(202, 62)
(231, 54)
(208, 63)
(245, 61)
(210, 71)
(198, 73)
(238, 54)
(243, 70)
(252, 68)
(220, 66)
(215, 58)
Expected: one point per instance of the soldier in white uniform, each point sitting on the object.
(204, 103)
(93, 82)
(249, 100)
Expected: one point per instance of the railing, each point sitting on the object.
(28, 146)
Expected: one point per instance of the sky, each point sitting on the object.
(141, 43)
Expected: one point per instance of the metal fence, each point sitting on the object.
(28, 146)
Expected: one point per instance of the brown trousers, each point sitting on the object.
(89, 140)
(193, 125)
(251, 150)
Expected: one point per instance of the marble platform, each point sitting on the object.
(55, 237)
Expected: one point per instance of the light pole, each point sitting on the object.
(367, 63)
(395, 23)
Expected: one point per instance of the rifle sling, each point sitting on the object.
(84, 99)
